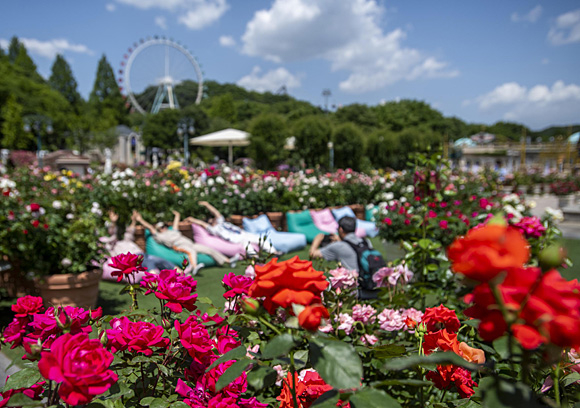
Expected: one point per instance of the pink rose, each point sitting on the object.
(412, 317)
(81, 365)
(239, 285)
(138, 337)
(173, 287)
(364, 313)
(195, 338)
(443, 224)
(126, 264)
(14, 333)
(346, 322)
(342, 278)
(28, 305)
(391, 320)
(380, 277)
(369, 339)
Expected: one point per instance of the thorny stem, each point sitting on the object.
(556, 378)
(265, 322)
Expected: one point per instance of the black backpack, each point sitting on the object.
(369, 261)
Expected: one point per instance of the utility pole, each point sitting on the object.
(326, 93)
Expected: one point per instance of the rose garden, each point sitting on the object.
(476, 306)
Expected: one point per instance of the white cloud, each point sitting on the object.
(227, 41)
(110, 7)
(4, 44)
(194, 14)
(540, 105)
(161, 22)
(531, 16)
(50, 48)
(269, 81)
(566, 29)
(345, 33)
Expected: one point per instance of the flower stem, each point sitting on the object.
(293, 371)
(268, 324)
(556, 378)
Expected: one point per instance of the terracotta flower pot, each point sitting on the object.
(140, 236)
(277, 219)
(79, 290)
(236, 219)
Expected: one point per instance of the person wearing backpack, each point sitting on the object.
(353, 253)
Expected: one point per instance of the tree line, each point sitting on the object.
(362, 136)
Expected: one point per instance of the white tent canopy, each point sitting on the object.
(227, 137)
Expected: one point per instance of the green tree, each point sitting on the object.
(24, 64)
(312, 136)
(13, 134)
(408, 113)
(160, 130)
(223, 106)
(267, 140)
(106, 98)
(13, 49)
(383, 149)
(359, 114)
(62, 80)
(348, 146)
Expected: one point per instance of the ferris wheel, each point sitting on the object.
(152, 68)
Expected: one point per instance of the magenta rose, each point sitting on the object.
(14, 333)
(233, 389)
(195, 338)
(34, 207)
(80, 365)
(138, 337)
(126, 264)
(238, 284)
(32, 393)
(28, 305)
(76, 319)
(176, 289)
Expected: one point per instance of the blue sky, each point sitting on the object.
(482, 61)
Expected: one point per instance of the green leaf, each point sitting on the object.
(327, 400)
(371, 398)
(234, 354)
(336, 362)
(411, 382)
(424, 243)
(146, 401)
(571, 379)
(389, 351)
(262, 377)
(179, 404)
(21, 400)
(233, 372)
(498, 393)
(447, 357)
(278, 346)
(204, 299)
(158, 403)
(25, 378)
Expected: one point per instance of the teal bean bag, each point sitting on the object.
(302, 223)
(371, 213)
(155, 248)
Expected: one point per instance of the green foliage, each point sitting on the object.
(348, 147)
(26, 66)
(312, 136)
(160, 130)
(223, 106)
(267, 139)
(62, 80)
(13, 134)
(105, 98)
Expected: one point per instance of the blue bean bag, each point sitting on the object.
(370, 227)
(282, 241)
(155, 248)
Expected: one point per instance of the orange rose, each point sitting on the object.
(471, 354)
(488, 250)
(287, 282)
(311, 317)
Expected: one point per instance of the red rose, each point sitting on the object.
(34, 207)
(32, 392)
(311, 317)
(35, 223)
(307, 390)
(447, 376)
(126, 264)
(287, 282)
(138, 337)
(28, 305)
(81, 365)
(488, 250)
(437, 318)
(440, 340)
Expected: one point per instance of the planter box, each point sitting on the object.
(79, 290)
(359, 211)
(277, 219)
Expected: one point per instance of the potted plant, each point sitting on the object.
(565, 191)
(49, 233)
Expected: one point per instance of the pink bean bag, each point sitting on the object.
(201, 236)
(325, 221)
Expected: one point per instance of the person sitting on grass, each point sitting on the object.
(180, 243)
(116, 247)
(218, 226)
